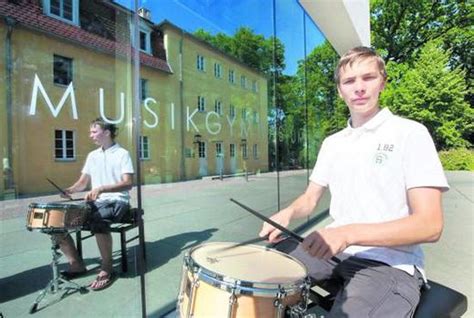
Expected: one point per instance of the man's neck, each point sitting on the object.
(358, 120)
(108, 144)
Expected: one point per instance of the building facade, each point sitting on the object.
(66, 63)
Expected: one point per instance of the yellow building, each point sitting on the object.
(202, 111)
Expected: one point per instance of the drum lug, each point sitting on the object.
(232, 301)
(194, 285)
(278, 304)
(299, 310)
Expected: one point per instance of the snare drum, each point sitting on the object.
(228, 280)
(56, 217)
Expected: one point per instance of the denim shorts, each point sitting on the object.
(103, 213)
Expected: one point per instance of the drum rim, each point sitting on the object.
(245, 287)
(55, 205)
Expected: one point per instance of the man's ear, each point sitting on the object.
(339, 91)
(383, 85)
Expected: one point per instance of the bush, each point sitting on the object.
(457, 159)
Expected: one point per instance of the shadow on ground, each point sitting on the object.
(161, 251)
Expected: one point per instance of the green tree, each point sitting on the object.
(430, 92)
(401, 28)
(252, 49)
(326, 112)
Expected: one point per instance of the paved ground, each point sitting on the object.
(182, 215)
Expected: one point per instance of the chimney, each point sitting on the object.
(144, 13)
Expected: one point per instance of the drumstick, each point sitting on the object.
(276, 225)
(269, 221)
(251, 241)
(59, 189)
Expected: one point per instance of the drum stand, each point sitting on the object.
(57, 283)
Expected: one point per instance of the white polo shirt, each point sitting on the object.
(106, 167)
(368, 171)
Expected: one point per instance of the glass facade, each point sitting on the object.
(211, 99)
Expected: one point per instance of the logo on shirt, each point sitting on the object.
(380, 158)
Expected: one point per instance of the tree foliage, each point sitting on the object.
(401, 28)
(433, 94)
(252, 49)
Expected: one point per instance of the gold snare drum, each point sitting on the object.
(227, 280)
(56, 217)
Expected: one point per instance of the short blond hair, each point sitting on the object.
(357, 54)
(105, 126)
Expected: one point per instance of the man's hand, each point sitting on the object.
(93, 194)
(283, 218)
(325, 243)
(66, 194)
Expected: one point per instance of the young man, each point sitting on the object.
(386, 181)
(109, 170)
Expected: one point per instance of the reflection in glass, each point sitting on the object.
(62, 68)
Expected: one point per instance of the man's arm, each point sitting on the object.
(125, 184)
(424, 224)
(301, 207)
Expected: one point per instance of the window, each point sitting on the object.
(144, 36)
(62, 70)
(256, 118)
(143, 88)
(64, 145)
(255, 151)
(232, 150)
(217, 70)
(218, 107)
(244, 114)
(188, 153)
(144, 148)
(254, 86)
(232, 111)
(202, 149)
(244, 151)
(243, 81)
(145, 43)
(201, 104)
(200, 62)
(219, 149)
(65, 10)
(231, 76)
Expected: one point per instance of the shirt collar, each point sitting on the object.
(111, 148)
(373, 123)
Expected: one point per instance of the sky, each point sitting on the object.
(226, 16)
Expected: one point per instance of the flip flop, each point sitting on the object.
(106, 281)
(72, 275)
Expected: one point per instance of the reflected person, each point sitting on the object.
(109, 172)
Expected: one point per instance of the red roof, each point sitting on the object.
(32, 16)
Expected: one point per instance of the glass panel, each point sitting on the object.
(55, 7)
(67, 9)
(42, 127)
(226, 112)
(69, 153)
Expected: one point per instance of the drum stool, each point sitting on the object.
(437, 301)
(57, 283)
(133, 219)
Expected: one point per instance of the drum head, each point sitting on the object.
(249, 263)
